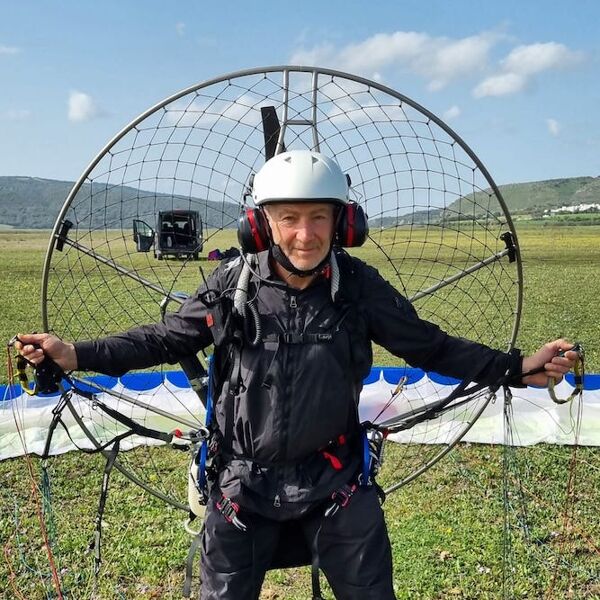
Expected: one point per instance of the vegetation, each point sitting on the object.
(31, 202)
(533, 198)
(446, 528)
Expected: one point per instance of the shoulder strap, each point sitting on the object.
(349, 279)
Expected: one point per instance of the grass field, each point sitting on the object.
(446, 527)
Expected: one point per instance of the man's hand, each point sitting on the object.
(555, 366)
(36, 346)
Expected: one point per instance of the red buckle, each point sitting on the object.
(340, 499)
(229, 510)
(343, 495)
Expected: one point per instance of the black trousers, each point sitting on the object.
(354, 551)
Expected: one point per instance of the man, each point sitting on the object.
(292, 327)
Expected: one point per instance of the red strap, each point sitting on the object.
(334, 461)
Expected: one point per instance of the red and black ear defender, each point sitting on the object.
(352, 226)
(253, 232)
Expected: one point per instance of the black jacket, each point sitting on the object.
(283, 411)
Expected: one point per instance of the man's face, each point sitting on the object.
(302, 230)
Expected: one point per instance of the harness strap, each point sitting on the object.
(204, 449)
(135, 428)
(189, 564)
(95, 545)
(314, 568)
(299, 338)
(235, 356)
(340, 499)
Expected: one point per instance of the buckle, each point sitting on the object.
(229, 510)
(292, 338)
(340, 498)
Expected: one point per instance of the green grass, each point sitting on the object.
(446, 528)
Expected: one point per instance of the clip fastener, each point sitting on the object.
(340, 499)
(229, 510)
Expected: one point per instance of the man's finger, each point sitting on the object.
(565, 362)
(556, 371)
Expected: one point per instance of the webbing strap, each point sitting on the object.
(201, 479)
(234, 382)
(135, 428)
(189, 564)
(56, 419)
(95, 545)
(299, 338)
(366, 463)
(315, 565)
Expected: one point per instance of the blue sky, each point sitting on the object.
(518, 81)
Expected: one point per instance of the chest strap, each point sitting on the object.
(299, 338)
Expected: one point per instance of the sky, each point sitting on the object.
(519, 81)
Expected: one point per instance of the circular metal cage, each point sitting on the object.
(440, 231)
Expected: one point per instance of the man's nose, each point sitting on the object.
(306, 231)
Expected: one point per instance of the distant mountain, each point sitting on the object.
(536, 196)
(34, 203)
(523, 200)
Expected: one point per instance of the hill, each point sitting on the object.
(524, 200)
(34, 203)
(535, 197)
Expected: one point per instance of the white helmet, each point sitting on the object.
(300, 176)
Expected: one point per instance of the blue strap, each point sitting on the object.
(366, 466)
(204, 448)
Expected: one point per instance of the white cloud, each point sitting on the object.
(17, 114)
(202, 113)
(440, 60)
(452, 113)
(522, 64)
(458, 59)
(500, 85)
(180, 29)
(321, 54)
(82, 107)
(443, 60)
(532, 59)
(553, 127)
(9, 50)
(346, 112)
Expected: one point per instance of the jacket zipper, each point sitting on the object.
(293, 305)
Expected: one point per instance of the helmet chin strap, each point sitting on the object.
(278, 254)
